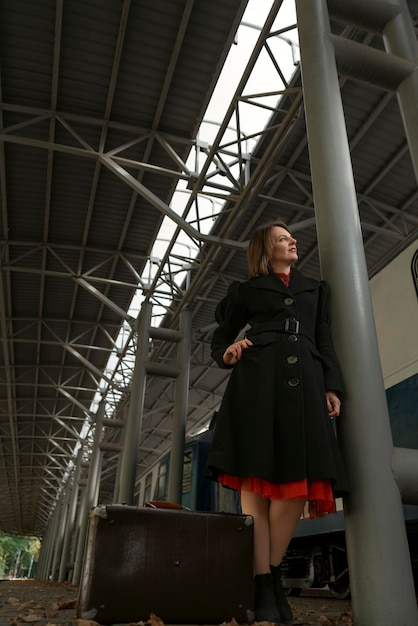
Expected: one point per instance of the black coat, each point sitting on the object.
(273, 422)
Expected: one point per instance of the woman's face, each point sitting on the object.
(284, 251)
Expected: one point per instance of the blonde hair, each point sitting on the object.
(260, 249)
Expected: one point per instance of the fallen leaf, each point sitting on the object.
(61, 606)
(87, 622)
(326, 621)
(32, 617)
(14, 601)
(30, 604)
(154, 620)
(346, 619)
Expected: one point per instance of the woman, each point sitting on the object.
(273, 440)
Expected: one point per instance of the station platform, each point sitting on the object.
(44, 603)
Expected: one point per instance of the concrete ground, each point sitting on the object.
(43, 603)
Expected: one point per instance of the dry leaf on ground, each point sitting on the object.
(87, 622)
(31, 605)
(32, 617)
(62, 605)
(154, 620)
(327, 621)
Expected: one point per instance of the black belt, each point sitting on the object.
(289, 325)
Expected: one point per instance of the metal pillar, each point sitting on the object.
(49, 552)
(116, 490)
(381, 577)
(132, 435)
(400, 40)
(90, 494)
(69, 528)
(40, 566)
(180, 409)
(405, 470)
(59, 539)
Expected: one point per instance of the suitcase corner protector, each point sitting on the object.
(99, 511)
(249, 520)
(90, 614)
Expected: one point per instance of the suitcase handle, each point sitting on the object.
(159, 504)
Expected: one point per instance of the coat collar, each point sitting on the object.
(298, 282)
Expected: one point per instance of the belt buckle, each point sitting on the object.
(291, 325)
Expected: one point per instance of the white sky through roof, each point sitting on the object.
(253, 119)
(264, 78)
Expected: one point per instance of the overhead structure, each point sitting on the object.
(99, 146)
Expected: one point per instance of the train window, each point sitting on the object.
(187, 471)
(160, 488)
(414, 269)
(148, 485)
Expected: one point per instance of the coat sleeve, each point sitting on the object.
(324, 343)
(231, 316)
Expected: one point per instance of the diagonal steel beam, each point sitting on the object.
(157, 203)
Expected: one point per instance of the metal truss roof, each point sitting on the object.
(100, 109)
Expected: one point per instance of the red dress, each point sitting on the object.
(318, 493)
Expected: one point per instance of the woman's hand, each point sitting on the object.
(333, 404)
(234, 352)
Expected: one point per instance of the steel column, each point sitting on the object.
(116, 491)
(90, 494)
(381, 577)
(39, 562)
(40, 573)
(52, 531)
(136, 409)
(69, 529)
(180, 409)
(405, 470)
(400, 39)
(59, 540)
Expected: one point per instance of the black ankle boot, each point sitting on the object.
(282, 603)
(264, 601)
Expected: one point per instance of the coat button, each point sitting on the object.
(288, 301)
(292, 338)
(293, 382)
(292, 359)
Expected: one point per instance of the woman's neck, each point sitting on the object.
(281, 268)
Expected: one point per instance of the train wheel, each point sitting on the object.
(341, 588)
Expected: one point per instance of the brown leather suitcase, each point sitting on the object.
(183, 566)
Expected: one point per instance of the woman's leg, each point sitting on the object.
(264, 597)
(257, 506)
(283, 518)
